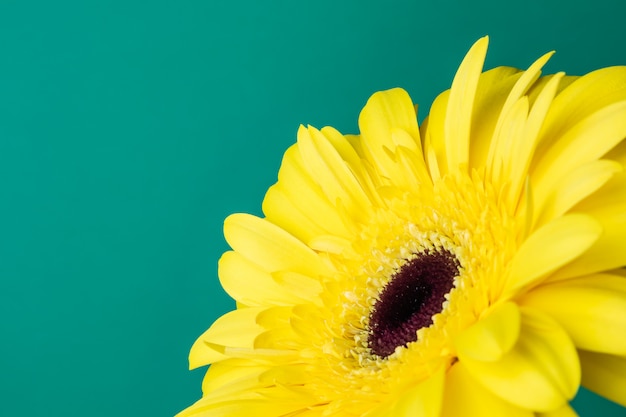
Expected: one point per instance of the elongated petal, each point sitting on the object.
(241, 408)
(299, 285)
(604, 375)
(413, 168)
(584, 142)
(524, 150)
(384, 113)
(493, 336)
(424, 399)
(608, 207)
(237, 328)
(280, 210)
(346, 149)
(565, 411)
(249, 284)
(269, 246)
(331, 173)
(540, 373)
(572, 189)
(512, 135)
(458, 120)
(297, 187)
(583, 97)
(552, 246)
(591, 309)
(523, 84)
(464, 396)
(432, 131)
(231, 376)
(509, 133)
(494, 87)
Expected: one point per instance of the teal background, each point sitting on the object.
(130, 129)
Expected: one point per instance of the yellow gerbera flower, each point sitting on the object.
(469, 266)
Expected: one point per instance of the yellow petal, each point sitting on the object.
(299, 285)
(550, 247)
(540, 373)
(432, 130)
(524, 83)
(281, 211)
(493, 336)
(270, 247)
(584, 142)
(524, 149)
(591, 309)
(464, 396)
(458, 120)
(235, 328)
(608, 207)
(231, 376)
(413, 169)
(580, 183)
(583, 97)
(384, 113)
(423, 399)
(283, 338)
(345, 146)
(565, 411)
(250, 284)
(494, 86)
(605, 375)
(296, 186)
(513, 140)
(241, 408)
(331, 244)
(509, 133)
(331, 173)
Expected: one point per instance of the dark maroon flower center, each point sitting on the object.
(415, 293)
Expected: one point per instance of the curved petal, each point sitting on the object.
(345, 147)
(584, 142)
(231, 376)
(269, 246)
(604, 375)
(494, 87)
(282, 211)
(565, 411)
(463, 396)
(524, 150)
(584, 96)
(237, 328)
(515, 134)
(458, 120)
(241, 408)
(508, 135)
(572, 189)
(493, 336)
(326, 166)
(608, 207)
(249, 284)
(592, 310)
(432, 130)
(550, 247)
(424, 400)
(540, 373)
(296, 188)
(384, 113)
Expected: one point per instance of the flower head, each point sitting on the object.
(468, 266)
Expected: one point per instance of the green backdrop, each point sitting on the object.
(130, 129)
